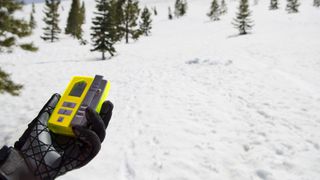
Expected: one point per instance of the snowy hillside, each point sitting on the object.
(194, 101)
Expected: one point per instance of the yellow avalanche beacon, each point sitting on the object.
(82, 92)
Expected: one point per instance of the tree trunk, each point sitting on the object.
(103, 56)
(52, 35)
(127, 37)
(127, 33)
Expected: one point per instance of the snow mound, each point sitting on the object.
(209, 62)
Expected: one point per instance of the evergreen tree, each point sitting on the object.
(32, 22)
(101, 37)
(242, 21)
(33, 8)
(11, 28)
(223, 8)
(180, 8)
(82, 21)
(74, 21)
(214, 11)
(83, 13)
(29, 47)
(51, 19)
(145, 25)
(169, 13)
(177, 6)
(131, 15)
(184, 7)
(7, 85)
(155, 11)
(316, 3)
(273, 4)
(292, 6)
(117, 19)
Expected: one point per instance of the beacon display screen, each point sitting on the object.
(78, 89)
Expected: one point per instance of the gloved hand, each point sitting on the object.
(50, 155)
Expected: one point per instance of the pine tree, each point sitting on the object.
(242, 21)
(214, 11)
(117, 19)
(32, 22)
(29, 47)
(223, 8)
(180, 8)
(82, 21)
(273, 5)
(11, 28)
(7, 85)
(33, 8)
(177, 6)
(184, 7)
(131, 15)
(145, 25)
(316, 3)
(51, 19)
(292, 6)
(102, 39)
(169, 14)
(155, 12)
(74, 21)
(83, 13)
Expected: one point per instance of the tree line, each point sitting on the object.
(114, 21)
(242, 20)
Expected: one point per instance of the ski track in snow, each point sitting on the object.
(207, 106)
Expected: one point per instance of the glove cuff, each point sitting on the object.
(14, 167)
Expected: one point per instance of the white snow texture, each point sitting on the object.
(193, 101)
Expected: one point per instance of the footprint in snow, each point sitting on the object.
(263, 174)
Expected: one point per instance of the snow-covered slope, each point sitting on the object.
(193, 101)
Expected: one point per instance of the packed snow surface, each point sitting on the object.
(193, 101)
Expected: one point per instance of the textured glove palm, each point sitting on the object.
(49, 155)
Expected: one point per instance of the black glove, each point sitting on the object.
(49, 155)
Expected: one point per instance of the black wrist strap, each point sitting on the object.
(2, 177)
(4, 153)
(14, 167)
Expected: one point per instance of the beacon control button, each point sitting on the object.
(61, 111)
(67, 112)
(69, 104)
(64, 112)
(60, 119)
